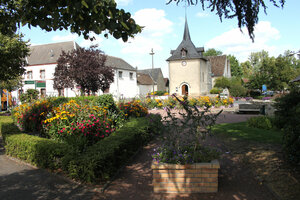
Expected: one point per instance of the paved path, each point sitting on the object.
(21, 181)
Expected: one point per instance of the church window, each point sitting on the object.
(202, 76)
(183, 52)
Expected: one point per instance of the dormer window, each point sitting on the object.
(183, 52)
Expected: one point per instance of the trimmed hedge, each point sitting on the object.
(102, 160)
(98, 163)
(38, 151)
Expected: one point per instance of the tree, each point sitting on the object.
(13, 50)
(236, 69)
(246, 11)
(12, 84)
(212, 52)
(246, 69)
(257, 58)
(85, 68)
(275, 73)
(81, 17)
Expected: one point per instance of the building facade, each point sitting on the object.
(189, 71)
(43, 61)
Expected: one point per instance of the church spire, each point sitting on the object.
(186, 34)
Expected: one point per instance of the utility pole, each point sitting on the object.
(152, 53)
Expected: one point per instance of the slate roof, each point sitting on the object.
(118, 63)
(297, 79)
(144, 79)
(217, 64)
(186, 44)
(49, 53)
(156, 72)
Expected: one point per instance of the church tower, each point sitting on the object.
(189, 70)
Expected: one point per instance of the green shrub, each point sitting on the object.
(287, 118)
(29, 96)
(97, 162)
(237, 90)
(107, 100)
(222, 82)
(160, 93)
(35, 150)
(261, 122)
(104, 158)
(215, 91)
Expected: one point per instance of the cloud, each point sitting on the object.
(58, 38)
(123, 2)
(240, 45)
(87, 43)
(202, 14)
(156, 27)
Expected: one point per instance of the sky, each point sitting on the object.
(275, 32)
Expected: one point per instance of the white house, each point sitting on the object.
(43, 61)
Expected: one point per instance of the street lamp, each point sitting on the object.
(152, 53)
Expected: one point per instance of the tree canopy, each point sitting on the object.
(246, 11)
(13, 51)
(85, 68)
(212, 52)
(236, 69)
(81, 17)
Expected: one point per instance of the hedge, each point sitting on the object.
(103, 159)
(98, 163)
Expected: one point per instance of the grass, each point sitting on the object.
(261, 151)
(237, 131)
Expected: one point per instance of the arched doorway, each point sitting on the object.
(185, 90)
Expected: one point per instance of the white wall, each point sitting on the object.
(124, 87)
(144, 89)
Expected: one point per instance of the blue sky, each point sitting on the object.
(276, 32)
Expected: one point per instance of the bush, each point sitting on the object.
(215, 91)
(98, 162)
(29, 116)
(287, 118)
(103, 159)
(222, 82)
(133, 109)
(107, 100)
(261, 122)
(254, 93)
(29, 96)
(35, 150)
(237, 90)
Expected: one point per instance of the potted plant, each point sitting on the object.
(182, 164)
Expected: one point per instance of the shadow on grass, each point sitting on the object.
(240, 130)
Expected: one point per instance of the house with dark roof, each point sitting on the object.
(145, 84)
(189, 70)
(220, 67)
(157, 76)
(43, 61)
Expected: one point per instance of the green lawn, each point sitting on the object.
(237, 131)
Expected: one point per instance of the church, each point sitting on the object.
(190, 73)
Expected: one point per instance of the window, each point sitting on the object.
(42, 74)
(131, 75)
(183, 52)
(43, 92)
(120, 74)
(202, 76)
(29, 75)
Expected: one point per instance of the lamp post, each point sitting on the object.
(152, 53)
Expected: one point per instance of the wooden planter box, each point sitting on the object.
(193, 178)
